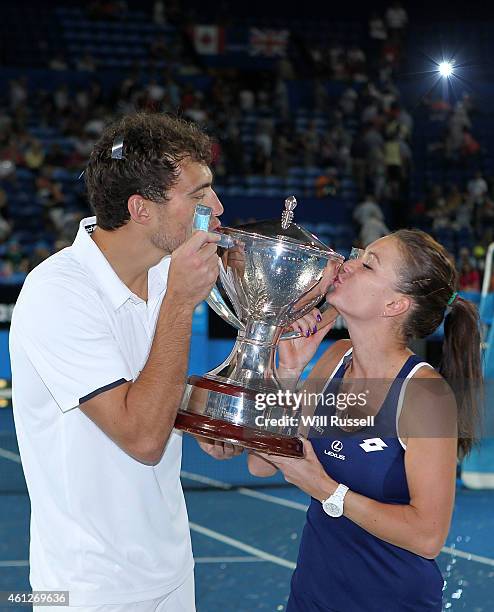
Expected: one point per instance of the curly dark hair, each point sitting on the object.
(153, 147)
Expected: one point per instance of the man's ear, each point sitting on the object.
(398, 306)
(139, 209)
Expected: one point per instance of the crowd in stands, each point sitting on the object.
(357, 143)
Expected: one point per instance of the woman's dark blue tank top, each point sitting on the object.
(342, 567)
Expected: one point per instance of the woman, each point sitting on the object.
(379, 553)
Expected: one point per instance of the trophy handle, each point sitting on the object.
(217, 303)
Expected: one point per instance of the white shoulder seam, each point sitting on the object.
(401, 397)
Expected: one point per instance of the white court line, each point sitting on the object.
(6, 454)
(205, 480)
(14, 563)
(243, 491)
(466, 555)
(25, 563)
(228, 560)
(446, 549)
(272, 499)
(251, 550)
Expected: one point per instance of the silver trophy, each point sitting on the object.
(271, 276)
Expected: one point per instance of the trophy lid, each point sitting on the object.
(285, 231)
(295, 234)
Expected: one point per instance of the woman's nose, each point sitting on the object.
(347, 266)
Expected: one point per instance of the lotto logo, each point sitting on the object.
(373, 444)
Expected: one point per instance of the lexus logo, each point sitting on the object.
(336, 446)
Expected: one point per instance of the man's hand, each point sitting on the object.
(218, 449)
(194, 269)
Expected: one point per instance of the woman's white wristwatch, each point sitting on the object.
(334, 504)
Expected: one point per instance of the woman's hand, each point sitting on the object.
(295, 354)
(259, 466)
(307, 473)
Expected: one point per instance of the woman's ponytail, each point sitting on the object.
(429, 277)
(461, 367)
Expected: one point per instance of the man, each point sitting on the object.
(99, 347)
(367, 209)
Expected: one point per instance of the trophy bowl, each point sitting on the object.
(272, 276)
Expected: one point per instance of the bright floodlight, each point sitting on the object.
(445, 69)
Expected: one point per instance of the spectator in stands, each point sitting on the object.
(372, 228)
(367, 209)
(159, 48)
(285, 69)
(457, 123)
(464, 214)
(454, 199)
(40, 252)
(282, 153)
(56, 156)
(334, 141)
(5, 226)
(264, 137)
(348, 101)
(196, 111)
(483, 216)
(470, 147)
(356, 67)
(16, 257)
(466, 257)
(327, 184)
(321, 97)
(359, 161)
(49, 193)
(58, 63)
(377, 35)
(310, 144)
(477, 188)
(394, 161)
(86, 63)
(61, 99)
(34, 156)
(469, 278)
(396, 19)
(17, 92)
(247, 99)
(234, 154)
(159, 13)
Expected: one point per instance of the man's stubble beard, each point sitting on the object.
(167, 240)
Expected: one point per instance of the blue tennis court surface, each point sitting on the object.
(245, 540)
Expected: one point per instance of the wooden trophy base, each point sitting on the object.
(199, 424)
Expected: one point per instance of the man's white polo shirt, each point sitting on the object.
(103, 526)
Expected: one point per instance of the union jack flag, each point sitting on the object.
(270, 43)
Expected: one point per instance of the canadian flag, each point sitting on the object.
(208, 39)
(270, 43)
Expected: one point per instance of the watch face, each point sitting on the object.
(333, 509)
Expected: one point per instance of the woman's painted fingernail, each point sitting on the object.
(319, 318)
(307, 333)
(315, 329)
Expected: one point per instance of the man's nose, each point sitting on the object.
(215, 204)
